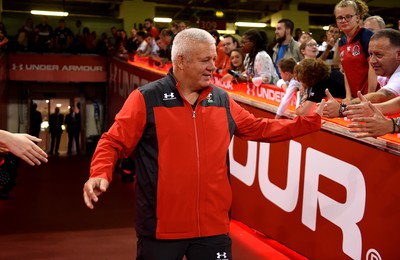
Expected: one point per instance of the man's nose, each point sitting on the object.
(212, 66)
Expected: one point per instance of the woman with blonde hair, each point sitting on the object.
(353, 47)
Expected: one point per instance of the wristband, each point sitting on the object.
(394, 126)
(398, 123)
(342, 108)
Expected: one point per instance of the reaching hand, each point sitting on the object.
(359, 110)
(93, 188)
(376, 125)
(331, 107)
(23, 146)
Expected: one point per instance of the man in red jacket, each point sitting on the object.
(180, 128)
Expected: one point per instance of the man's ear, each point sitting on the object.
(180, 61)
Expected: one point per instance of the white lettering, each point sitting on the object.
(245, 173)
(85, 68)
(286, 198)
(224, 84)
(265, 93)
(41, 67)
(344, 215)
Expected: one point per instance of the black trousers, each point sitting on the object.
(71, 137)
(202, 248)
(55, 140)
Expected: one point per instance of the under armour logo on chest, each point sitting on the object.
(221, 255)
(169, 96)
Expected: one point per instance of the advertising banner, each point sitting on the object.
(57, 67)
(123, 79)
(322, 195)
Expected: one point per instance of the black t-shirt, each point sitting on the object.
(335, 85)
(62, 35)
(131, 45)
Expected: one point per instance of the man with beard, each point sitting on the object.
(286, 46)
(223, 61)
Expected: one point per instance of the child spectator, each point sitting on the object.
(353, 47)
(288, 83)
(315, 76)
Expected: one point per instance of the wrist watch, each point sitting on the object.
(397, 121)
(342, 108)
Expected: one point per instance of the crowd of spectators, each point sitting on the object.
(60, 39)
(43, 37)
(339, 61)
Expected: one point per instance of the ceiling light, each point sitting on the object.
(162, 19)
(247, 24)
(49, 13)
(219, 14)
(226, 31)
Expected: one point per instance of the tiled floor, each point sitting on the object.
(45, 218)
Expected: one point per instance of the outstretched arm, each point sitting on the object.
(389, 107)
(269, 130)
(23, 146)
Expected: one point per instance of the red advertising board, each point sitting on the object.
(326, 195)
(124, 78)
(322, 195)
(57, 67)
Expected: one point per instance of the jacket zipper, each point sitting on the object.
(198, 170)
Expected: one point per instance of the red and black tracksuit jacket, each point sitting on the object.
(181, 155)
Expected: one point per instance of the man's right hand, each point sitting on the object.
(376, 125)
(93, 188)
(363, 109)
